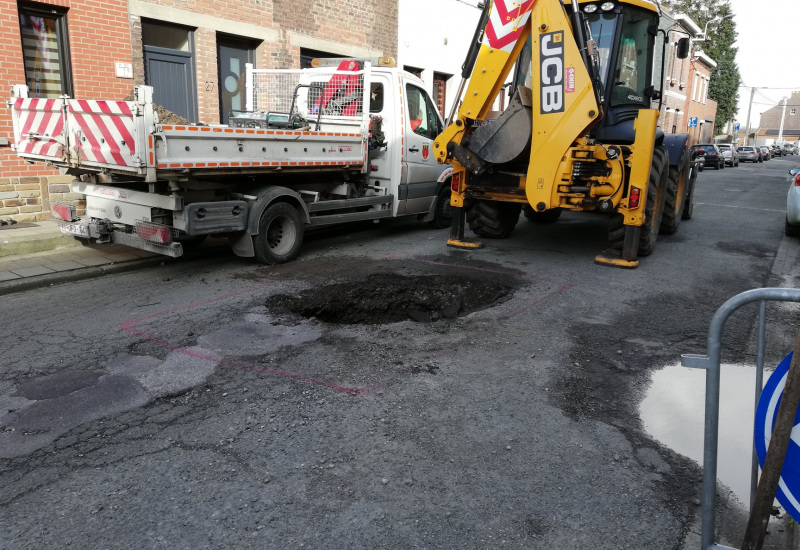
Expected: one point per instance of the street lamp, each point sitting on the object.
(713, 20)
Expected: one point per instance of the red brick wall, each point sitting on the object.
(99, 36)
(368, 24)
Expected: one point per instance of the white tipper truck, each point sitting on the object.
(304, 153)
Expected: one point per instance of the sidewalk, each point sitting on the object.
(37, 254)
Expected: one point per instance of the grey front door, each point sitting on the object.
(171, 74)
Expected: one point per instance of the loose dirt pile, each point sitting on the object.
(165, 116)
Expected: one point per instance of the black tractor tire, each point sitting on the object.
(656, 197)
(443, 216)
(280, 234)
(653, 210)
(674, 203)
(493, 220)
(548, 216)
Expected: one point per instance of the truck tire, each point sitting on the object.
(653, 210)
(280, 234)
(443, 216)
(548, 216)
(493, 220)
(675, 201)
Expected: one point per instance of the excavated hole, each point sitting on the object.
(382, 298)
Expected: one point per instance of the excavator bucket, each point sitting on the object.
(507, 137)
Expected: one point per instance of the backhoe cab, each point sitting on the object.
(579, 132)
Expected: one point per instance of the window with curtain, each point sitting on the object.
(45, 51)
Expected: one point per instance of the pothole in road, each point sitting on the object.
(382, 298)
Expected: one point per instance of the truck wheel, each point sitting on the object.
(491, 219)
(677, 180)
(280, 235)
(548, 216)
(443, 216)
(656, 196)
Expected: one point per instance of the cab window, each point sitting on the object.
(630, 76)
(422, 114)
(375, 97)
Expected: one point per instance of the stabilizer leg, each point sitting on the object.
(457, 239)
(628, 258)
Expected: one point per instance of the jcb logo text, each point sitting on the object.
(551, 49)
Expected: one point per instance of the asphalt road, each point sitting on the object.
(192, 406)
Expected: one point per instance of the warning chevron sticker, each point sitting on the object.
(506, 21)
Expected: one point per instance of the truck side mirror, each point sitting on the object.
(683, 47)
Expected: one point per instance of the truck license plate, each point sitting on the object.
(74, 229)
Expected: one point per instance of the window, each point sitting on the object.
(422, 114)
(307, 56)
(440, 90)
(375, 97)
(413, 70)
(45, 51)
(793, 112)
(631, 75)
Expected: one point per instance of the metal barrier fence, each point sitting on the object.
(711, 363)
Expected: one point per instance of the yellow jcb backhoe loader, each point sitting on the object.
(579, 132)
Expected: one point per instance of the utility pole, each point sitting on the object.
(783, 116)
(750, 108)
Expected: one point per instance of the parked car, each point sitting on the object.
(730, 154)
(748, 153)
(792, 228)
(713, 156)
(776, 151)
(765, 154)
(698, 154)
(790, 149)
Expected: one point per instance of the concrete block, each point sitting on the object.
(22, 218)
(74, 196)
(27, 186)
(59, 188)
(9, 211)
(56, 197)
(30, 208)
(33, 200)
(5, 181)
(13, 202)
(26, 194)
(9, 195)
(6, 187)
(60, 179)
(30, 180)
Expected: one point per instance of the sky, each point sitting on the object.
(769, 53)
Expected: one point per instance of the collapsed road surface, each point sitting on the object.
(382, 391)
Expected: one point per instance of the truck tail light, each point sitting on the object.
(455, 182)
(153, 232)
(64, 212)
(797, 180)
(633, 200)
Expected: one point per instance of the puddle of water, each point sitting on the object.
(673, 413)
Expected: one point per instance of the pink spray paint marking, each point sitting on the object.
(128, 327)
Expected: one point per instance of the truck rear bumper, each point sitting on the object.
(102, 232)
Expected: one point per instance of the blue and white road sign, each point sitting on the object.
(789, 487)
(736, 126)
(693, 122)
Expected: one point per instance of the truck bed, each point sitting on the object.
(125, 138)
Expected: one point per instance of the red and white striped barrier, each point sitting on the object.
(102, 131)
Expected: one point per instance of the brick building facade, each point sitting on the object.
(770, 125)
(55, 47)
(193, 53)
(685, 88)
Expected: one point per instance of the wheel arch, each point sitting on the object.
(271, 194)
(676, 144)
